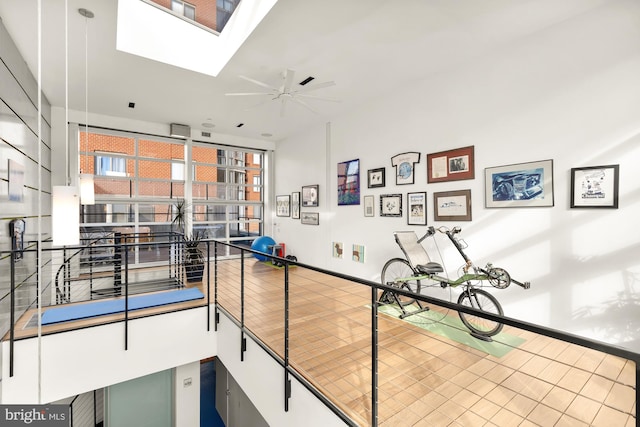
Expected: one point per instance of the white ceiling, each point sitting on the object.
(370, 48)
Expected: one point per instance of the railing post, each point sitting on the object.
(208, 287)
(243, 340)
(126, 298)
(287, 381)
(374, 356)
(215, 285)
(13, 310)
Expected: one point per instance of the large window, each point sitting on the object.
(183, 8)
(138, 179)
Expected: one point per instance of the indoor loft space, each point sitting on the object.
(165, 31)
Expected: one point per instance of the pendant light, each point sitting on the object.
(87, 188)
(65, 203)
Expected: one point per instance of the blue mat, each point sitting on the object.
(100, 308)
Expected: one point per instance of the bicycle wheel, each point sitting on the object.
(394, 269)
(480, 300)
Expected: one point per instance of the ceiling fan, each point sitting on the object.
(287, 91)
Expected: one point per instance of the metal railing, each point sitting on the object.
(286, 348)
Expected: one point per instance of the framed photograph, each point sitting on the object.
(451, 165)
(520, 185)
(310, 218)
(375, 178)
(368, 206)
(391, 205)
(595, 187)
(295, 205)
(283, 205)
(349, 183)
(417, 208)
(405, 167)
(452, 205)
(310, 196)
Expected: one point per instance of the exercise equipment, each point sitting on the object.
(262, 244)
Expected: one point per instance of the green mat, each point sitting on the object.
(450, 326)
(277, 267)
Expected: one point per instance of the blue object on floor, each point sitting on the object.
(101, 308)
(209, 416)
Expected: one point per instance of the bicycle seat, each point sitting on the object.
(429, 268)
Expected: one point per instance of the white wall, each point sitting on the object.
(87, 359)
(262, 379)
(571, 93)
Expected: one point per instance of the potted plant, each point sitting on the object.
(193, 257)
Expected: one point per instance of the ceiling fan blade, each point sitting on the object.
(309, 88)
(304, 104)
(283, 106)
(288, 81)
(247, 93)
(322, 98)
(258, 82)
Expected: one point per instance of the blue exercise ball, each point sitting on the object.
(261, 244)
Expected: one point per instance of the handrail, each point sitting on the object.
(375, 287)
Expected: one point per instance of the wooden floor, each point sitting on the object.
(26, 326)
(424, 378)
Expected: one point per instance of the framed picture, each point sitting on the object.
(357, 253)
(337, 248)
(417, 208)
(283, 205)
(368, 206)
(311, 218)
(375, 178)
(451, 165)
(295, 205)
(519, 185)
(391, 205)
(405, 167)
(452, 205)
(349, 183)
(310, 196)
(595, 187)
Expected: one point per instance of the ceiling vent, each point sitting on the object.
(180, 131)
(206, 134)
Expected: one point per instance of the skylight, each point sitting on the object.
(148, 31)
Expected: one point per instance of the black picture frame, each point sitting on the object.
(595, 187)
(391, 205)
(417, 208)
(295, 205)
(376, 178)
(310, 218)
(283, 205)
(310, 196)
